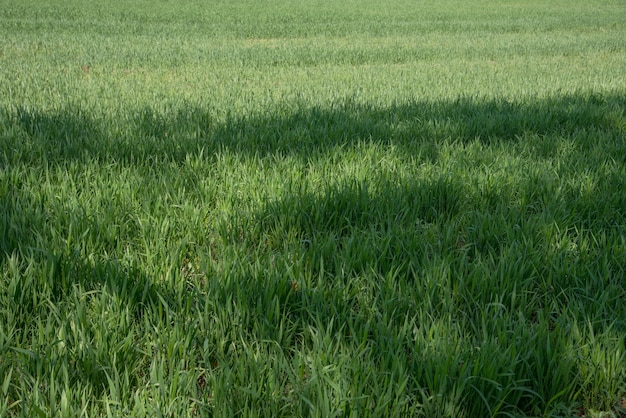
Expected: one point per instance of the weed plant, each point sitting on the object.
(312, 208)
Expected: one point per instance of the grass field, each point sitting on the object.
(313, 208)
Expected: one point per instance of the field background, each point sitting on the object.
(312, 208)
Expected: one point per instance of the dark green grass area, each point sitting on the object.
(460, 258)
(172, 133)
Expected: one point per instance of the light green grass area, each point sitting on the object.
(312, 208)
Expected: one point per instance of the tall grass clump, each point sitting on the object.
(298, 209)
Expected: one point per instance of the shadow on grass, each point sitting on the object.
(43, 280)
(31, 135)
(448, 258)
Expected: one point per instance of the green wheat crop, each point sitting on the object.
(312, 208)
